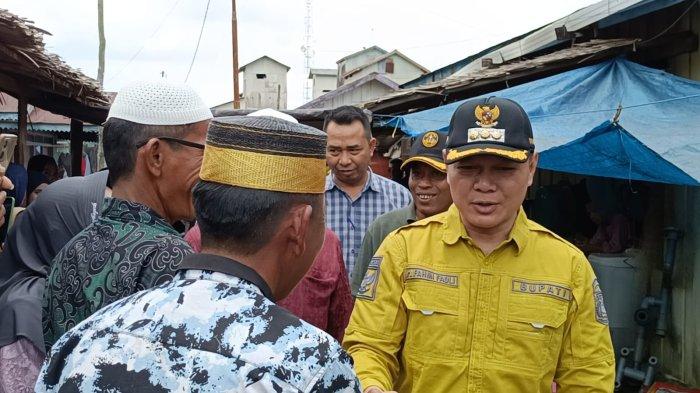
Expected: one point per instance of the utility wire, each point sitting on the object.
(196, 49)
(672, 24)
(145, 41)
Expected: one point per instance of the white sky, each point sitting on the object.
(433, 33)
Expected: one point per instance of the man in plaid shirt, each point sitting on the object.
(354, 195)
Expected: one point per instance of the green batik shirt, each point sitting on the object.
(129, 248)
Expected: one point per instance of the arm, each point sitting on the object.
(378, 321)
(586, 360)
(341, 300)
(338, 376)
(5, 184)
(369, 247)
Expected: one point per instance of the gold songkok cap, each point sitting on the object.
(265, 153)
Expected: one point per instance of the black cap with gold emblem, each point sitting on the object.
(427, 148)
(495, 126)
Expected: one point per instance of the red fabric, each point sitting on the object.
(322, 298)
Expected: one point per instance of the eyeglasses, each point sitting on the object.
(174, 140)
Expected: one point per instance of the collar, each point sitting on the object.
(520, 231)
(219, 264)
(411, 209)
(372, 182)
(453, 229)
(128, 211)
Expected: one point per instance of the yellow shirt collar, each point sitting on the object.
(454, 229)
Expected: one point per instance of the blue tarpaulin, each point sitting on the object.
(610, 151)
(660, 110)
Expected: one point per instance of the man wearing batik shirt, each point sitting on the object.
(216, 327)
(153, 142)
(354, 195)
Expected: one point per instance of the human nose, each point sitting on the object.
(344, 159)
(484, 182)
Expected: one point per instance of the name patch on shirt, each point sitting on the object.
(541, 288)
(368, 287)
(415, 273)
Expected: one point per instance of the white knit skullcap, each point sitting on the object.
(273, 113)
(159, 103)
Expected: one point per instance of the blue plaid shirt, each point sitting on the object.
(349, 219)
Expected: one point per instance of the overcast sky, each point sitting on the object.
(149, 38)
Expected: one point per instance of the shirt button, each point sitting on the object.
(352, 252)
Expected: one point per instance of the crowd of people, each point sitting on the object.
(255, 253)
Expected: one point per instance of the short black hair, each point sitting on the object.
(243, 219)
(347, 114)
(120, 137)
(39, 162)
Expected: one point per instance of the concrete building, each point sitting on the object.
(264, 84)
(323, 80)
(362, 76)
(394, 65)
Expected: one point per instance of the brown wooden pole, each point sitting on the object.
(76, 147)
(234, 43)
(22, 131)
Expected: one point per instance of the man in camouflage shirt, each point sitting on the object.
(216, 327)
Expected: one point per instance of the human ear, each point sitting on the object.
(372, 145)
(300, 224)
(152, 153)
(532, 167)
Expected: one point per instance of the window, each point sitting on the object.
(261, 76)
(389, 66)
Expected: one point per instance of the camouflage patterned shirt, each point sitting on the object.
(213, 329)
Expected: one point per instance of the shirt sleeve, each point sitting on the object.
(341, 300)
(586, 360)
(338, 376)
(378, 321)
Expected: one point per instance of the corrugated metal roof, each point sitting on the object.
(320, 101)
(604, 13)
(323, 71)
(546, 36)
(361, 51)
(243, 67)
(577, 53)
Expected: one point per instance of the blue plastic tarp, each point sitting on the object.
(661, 111)
(610, 151)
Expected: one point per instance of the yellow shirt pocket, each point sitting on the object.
(533, 332)
(433, 327)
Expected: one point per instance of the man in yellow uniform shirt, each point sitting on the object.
(479, 298)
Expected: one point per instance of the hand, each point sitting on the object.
(5, 184)
(374, 389)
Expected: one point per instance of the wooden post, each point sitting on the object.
(234, 43)
(76, 147)
(22, 131)
(100, 74)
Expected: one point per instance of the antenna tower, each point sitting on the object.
(308, 51)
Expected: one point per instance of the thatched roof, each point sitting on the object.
(28, 71)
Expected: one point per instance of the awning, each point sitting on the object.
(659, 109)
(610, 151)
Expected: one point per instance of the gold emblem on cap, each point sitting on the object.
(430, 139)
(473, 134)
(486, 116)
